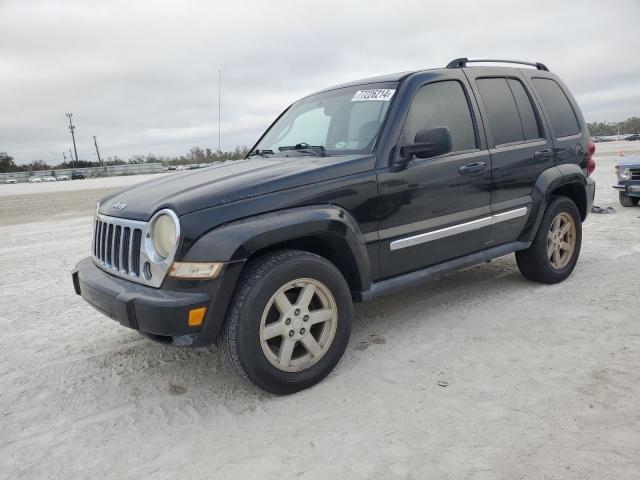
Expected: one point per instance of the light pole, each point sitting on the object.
(95, 142)
(73, 137)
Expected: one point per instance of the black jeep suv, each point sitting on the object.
(353, 192)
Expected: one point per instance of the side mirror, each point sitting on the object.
(428, 142)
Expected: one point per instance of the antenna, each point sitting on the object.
(219, 105)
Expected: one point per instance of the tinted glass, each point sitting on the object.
(343, 121)
(525, 108)
(504, 120)
(441, 104)
(563, 118)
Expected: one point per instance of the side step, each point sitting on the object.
(403, 282)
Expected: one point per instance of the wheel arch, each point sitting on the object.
(326, 230)
(566, 180)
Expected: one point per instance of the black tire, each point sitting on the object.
(534, 262)
(627, 201)
(239, 339)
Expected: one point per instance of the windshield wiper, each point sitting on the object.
(317, 150)
(262, 153)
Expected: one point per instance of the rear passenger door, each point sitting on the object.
(519, 145)
(563, 116)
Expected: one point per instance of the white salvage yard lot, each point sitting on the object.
(481, 375)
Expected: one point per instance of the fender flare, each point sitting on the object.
(238, 240)
(549, 181)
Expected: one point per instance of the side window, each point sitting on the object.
(525, 108)
(441, 104)
(563, 118)
(500, 105)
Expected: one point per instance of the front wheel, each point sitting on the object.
(627, 201)
(555, 249)
(289, 321)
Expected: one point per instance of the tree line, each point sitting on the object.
(626, 127)
(195, 155)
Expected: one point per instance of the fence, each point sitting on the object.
(90, 172)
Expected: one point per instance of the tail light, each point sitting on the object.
(591, 163)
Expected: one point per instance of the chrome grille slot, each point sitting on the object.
(126, 250)
(95, 238)
(635, 173)
(103, 242)
(116, 247)
(109, 244)
(122, 247)
(137, 237)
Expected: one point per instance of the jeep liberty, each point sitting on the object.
(356, 191)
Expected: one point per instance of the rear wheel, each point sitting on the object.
(555, 249)
(289, 321)
(627, 201)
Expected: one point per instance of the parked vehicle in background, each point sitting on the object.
(10, 180)
(34, 180)
(628, 173)
(357, 191)
(62, 178)
(48, 178)
(77, 175)
(633, 138)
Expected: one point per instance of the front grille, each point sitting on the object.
(115, 248)
(635, 173)
(123, 248)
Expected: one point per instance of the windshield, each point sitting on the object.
(339, 122)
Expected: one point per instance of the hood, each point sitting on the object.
(186, 192)
(629, 161)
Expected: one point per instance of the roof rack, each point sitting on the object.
(462, 63)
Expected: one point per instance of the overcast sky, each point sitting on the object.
(143, 75)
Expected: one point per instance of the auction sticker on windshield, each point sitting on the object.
(373, 95)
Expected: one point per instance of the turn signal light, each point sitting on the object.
(195, 270)
(196, 316)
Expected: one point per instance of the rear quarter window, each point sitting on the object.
(563, 118)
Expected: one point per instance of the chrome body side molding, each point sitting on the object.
(456, 229)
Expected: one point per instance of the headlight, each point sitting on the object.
(624, 174)
(164, 234)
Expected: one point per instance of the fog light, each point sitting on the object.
(196, 316)
(195, 270)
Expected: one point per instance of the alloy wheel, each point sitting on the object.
(561, 240)
(298, 325)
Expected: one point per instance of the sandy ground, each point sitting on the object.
(481, 375)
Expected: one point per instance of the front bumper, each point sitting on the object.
(629, 189)
(158, 313)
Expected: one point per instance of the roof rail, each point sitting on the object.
(462, 63)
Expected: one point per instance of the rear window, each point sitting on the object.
(509, 110)
(525, 108)
(563, 118)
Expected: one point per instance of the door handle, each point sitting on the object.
(543, 155)
(472, 168)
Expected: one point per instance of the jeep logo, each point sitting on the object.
(119, 205)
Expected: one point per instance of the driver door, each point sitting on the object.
(437, 209)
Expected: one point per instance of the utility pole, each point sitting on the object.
(71, 157)
(73, 137)
(64, 157)
(219, 105)
(95, 142)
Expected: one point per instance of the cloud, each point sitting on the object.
(143, 76)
